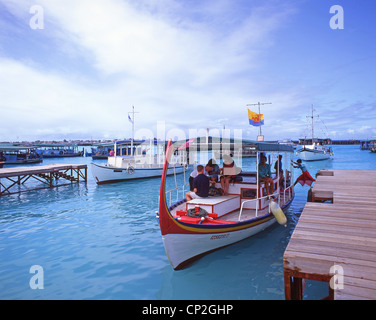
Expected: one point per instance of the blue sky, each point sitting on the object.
(190, 65)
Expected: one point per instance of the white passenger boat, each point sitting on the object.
(137, 159)
(196, 227)
(314, 149)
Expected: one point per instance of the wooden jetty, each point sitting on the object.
(12, 179)
(335, 238)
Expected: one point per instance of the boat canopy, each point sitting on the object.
(273, 147)
(56, 145)
(15, 148)
(260, 146)
(137, 142)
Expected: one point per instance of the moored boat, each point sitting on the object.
(196, 227)
(100, 151)
(314, 149)
(137, 159)
(10, 154)
(59, 150)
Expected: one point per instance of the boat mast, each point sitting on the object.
(132, 120)
(313, 133)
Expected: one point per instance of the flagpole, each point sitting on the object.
(132, 128)
(259, 111)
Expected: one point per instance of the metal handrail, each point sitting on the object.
(170, 192)
(277, 195)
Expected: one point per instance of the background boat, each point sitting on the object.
(10, 154)
(318, 150)
(59, 150)
(100, 151)
(137, 159)
(314, 149)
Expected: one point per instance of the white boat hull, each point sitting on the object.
(108, 174)
(181, 249)
(314, 154)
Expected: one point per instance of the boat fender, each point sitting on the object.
(130, 170)
(278, 213)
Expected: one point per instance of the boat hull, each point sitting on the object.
(107, 174)
(63, 155)
(313, 155)
(183, 249)
(27, 161)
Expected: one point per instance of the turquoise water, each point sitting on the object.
(104, 242)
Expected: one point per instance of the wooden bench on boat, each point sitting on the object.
(220, 205)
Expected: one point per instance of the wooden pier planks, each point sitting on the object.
(46, 174)
(342, 233)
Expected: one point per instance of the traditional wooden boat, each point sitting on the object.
(59, 150)
(138, 159)
(100, 151)
(10, 154)
(193, 228)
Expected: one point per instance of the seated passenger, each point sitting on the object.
(194, 174)
(200, 185)
(213, 171)
(228, 172)
(265, 175)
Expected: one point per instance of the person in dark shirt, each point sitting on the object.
(2, 159)
(200, 185)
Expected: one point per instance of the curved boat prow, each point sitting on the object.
(164, 219)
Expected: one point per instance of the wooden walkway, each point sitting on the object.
(12, 180)
(335, 241)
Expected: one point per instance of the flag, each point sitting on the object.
(130, 119)
(254, 118)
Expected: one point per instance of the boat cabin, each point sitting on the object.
(19, 155)
(56, 150)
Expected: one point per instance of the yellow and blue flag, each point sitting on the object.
(255, 119)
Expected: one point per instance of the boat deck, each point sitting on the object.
(247, 214)
(335, 240)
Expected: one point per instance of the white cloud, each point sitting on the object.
(156, 55)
